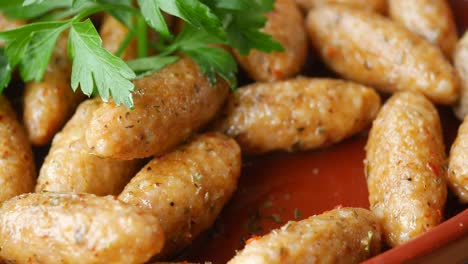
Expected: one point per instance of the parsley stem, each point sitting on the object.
(94, 8)
(142, 37)
(158, 46)
(128, 38)
(58, 15)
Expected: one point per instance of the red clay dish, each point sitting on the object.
(281, 187)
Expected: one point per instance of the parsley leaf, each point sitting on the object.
(148, 65)
(261, 7)
(243, 21)
(209, 23)
(122, 10)
(212, 60)
(231, 4)
(40, 49)
(150, 9)
(31, 46)
(19, 9)
(78, 3)
(5, 70)
(193, 12)
(30, 2)
(93, 65)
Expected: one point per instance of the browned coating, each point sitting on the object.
(458, 164)
(298, 114)
(169, 106)
(374, 5)
(430, 19)
(70, 167)
(17, 170)
(373, 50)
(286, 25)
(406, 168)
(76, 228)
(186, 189)
(113, 34)
(460, 59)
(347, 235)
(48, 104)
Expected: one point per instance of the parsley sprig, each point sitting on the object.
(209, 24)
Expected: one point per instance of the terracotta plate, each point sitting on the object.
(281, 187)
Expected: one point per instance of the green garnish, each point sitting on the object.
(297, 214)
(92, 64)
(196, 178)
(232, 23)
(276, 218)
(5, 71)
(253, 223)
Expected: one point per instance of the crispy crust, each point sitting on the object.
(374, 5)
(17, 169)
(347, 235)
(69, 166)
(170, 105)
(460, 59)
(286, 25)
(297, 114)
(76, 228)
(458, 164)
(186, 189)
(373, 50)
(430, 19)
(406, 167)
(48, 104)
